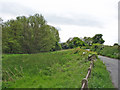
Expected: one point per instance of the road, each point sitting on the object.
(113, 66)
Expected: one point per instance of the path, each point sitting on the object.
(113, 68)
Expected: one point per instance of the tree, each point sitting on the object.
(64, 45)
(56, 47)
(98, 39)
(29, 35)
(116, 44)
(75, 42)
(88, 40)
(1, 21)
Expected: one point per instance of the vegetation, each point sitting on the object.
(98, 39)
(22, 68)
(64, 45)
(33, 35)
(75, 42)
(29, 35)
(88, 40)
(54, 69)
(60, 69)
(110, 51)
(116, 44)
(100, 77)
(86, 43)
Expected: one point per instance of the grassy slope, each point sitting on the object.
(100, 77)
(109, 51)
(61, 69)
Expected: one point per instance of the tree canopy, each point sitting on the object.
(88, 40)
(29, 35)
(116, 44)
(73, 42)
(98, 39)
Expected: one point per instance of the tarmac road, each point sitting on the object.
(113, 66)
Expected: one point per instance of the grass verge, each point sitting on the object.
(100, 77)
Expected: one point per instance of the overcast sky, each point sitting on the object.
(72, 17)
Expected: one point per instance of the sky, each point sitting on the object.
(72, 18)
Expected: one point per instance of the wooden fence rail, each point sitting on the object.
(85, 80)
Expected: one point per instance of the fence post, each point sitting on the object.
(84, 84)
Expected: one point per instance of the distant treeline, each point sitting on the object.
(85, 42)
(33, 35)
(29, 35)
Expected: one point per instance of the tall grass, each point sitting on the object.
(60, 69)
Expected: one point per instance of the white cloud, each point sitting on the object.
(81, 20)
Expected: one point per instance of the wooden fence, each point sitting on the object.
(85, 80)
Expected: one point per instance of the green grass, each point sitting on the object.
(100, 77)
(109, 51)
(60, 69)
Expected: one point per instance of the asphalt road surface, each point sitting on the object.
(113, 66)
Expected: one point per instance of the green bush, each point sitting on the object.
(110, 51)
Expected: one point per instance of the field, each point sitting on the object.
(59, 69)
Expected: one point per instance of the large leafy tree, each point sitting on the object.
(75, 42)
(29, 35)
(98, 39)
